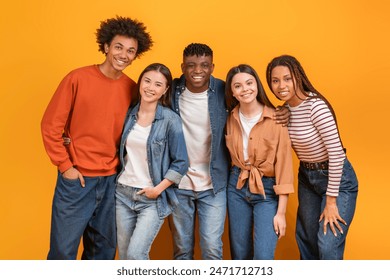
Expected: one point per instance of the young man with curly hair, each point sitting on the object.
(89, 107)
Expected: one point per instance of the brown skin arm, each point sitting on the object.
(282, 115)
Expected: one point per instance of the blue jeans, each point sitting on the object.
(251, 230)
(137, 222)
(87, 212)
(211, 209)
(312, 185)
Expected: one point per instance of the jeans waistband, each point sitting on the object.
(315, 165)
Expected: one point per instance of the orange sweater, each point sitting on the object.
(89, 108)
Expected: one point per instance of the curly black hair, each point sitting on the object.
(123, 26)
(197, 49)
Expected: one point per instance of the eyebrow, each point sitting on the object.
(118, 43)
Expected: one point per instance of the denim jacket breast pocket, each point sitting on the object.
(158, 147)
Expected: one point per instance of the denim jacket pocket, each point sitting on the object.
(158, 146)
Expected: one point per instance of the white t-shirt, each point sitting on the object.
(247, 124)
(136, 173)
(197, 133)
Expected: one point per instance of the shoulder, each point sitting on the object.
(268, 111)
(127, 79)
(318, 105)
(178, 81)
(217, 83)
(90, 69)
(169, 113)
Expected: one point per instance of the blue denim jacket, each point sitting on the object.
(166, 152)
(219, 160)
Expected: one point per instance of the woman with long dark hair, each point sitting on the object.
(327, 183)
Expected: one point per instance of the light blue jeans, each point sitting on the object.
(251, 230)
(211, 210)
(312, 185)
(137, 223)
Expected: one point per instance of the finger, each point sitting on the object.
(141, 192)
(339, 228)
(82, 180)
(282, 232)
(332, 228)
(276, 230)
(342, 221)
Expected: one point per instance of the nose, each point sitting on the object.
(151, 87)
(245, 88)
(123, 53)
(198, 69)
(282, 84)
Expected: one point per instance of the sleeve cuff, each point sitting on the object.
(284, 189)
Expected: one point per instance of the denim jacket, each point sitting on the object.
(219, 159)
(166, 153)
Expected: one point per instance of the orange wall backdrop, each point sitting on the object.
(343, 45)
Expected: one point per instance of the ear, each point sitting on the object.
(182, 68)
(166, 90)
(106, 47)
(212, 68)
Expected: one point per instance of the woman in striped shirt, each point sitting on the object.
(327, 183)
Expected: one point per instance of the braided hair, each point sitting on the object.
(301, 81)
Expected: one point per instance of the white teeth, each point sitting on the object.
(150, 94)
(283, 93)
(121, 62)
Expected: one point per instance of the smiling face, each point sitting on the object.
(244, 88)
(283, 86)
(153, 86)
(119, 54)
(197, 71)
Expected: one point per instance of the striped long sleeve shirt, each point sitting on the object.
(315, 138)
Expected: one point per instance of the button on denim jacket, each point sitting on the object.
(166, 153)
(219, 160)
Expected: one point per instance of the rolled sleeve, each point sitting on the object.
(173, 176)
(284, 189)
(284, 165)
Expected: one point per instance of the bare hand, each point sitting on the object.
(149, 192)
(280, 225)
(331, 216)
(282, 115)
(73, 174)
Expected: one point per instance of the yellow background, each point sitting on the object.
(343, 45)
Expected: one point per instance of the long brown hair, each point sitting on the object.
(261, 96)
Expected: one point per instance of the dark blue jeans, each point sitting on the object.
(87, 212)
(251, 230)
(312, 185)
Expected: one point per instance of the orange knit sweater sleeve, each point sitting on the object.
(54, 121)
